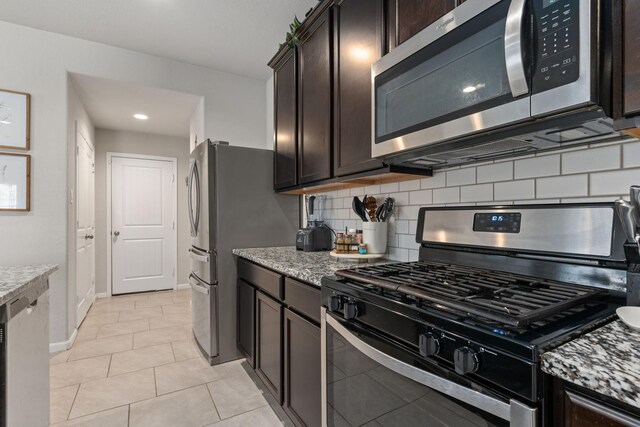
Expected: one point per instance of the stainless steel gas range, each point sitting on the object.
(454, 339)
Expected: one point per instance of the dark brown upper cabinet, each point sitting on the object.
(314, 99)
(407, 18)
(285, 119)
(358, 43)
(631, 55)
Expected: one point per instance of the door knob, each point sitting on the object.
(89, 236)
(116, 233)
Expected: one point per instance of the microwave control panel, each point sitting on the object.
(556, 43)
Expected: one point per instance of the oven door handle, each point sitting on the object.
(513, 411)
(513, 40)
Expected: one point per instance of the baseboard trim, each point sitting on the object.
(183, 286)
(101, 295)
(55, 347)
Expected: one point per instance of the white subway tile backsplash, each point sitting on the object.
(593, 159)
(438, 180)
(407, 241)
(461, 177)
(401, 226)
(421, 197)
(446, 195)
(476, 193)
(537, 167)
(392, 187)
(613, 183)
(631, 154)
(511, 190)
(562, 186)
(576, 175)
(496, 172)
(414, 184)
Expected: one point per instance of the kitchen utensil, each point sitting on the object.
(380, 212)
(389, 204)
(371, 204)
(627, 216)
(359, 208)
(630, 316)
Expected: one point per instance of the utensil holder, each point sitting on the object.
(374, 234)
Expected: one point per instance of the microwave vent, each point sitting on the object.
(477, 152)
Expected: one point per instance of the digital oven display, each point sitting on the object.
(497, 222)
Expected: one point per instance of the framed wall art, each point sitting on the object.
(15, 117)
(15, 182)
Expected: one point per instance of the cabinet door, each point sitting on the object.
(302, 370)
(268, 357)
(285, 119)
(314, 101)
(580, 411)
(246, 320)
(409, 17)
(631, 60)
(358, 43)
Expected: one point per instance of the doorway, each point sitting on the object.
(85, 225)
(141, 223)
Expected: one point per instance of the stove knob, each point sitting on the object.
(334, 303)
(465, 360)
(350, 310)
(429, 344)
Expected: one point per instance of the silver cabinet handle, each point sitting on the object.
(514, 411)
(197, 285)
(513, 49)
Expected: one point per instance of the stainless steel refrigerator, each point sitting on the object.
(231, 205)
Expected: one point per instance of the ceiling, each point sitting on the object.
(237, 36)
(112, 104)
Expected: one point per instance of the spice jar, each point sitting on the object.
(362, 248)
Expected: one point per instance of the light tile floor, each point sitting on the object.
(135, 363)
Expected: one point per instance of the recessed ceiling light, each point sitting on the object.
(469, 89)
(141, 116)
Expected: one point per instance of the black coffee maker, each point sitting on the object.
(316, 236)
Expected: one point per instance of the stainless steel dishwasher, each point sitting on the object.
(24, 358)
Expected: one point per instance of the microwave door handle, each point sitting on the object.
(513, 411)
(513, 41)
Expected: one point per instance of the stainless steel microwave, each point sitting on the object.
(495, 77)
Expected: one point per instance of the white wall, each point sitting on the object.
(115, 141)
(196, 125)
(600, 173)
(37, 62)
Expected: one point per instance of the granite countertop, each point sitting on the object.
(17, 279)
(309, 267)
(606, 360)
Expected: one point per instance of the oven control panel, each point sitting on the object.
(556, 43)
(497, 222)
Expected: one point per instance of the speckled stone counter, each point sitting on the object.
(607, 361)
(308, 267)
(16, 279)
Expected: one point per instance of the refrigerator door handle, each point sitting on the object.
(197, 285)
(190, 196)
(197, 255)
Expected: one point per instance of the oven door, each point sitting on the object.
(368, 379)
(465, 73)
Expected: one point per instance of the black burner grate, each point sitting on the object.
(511, 299)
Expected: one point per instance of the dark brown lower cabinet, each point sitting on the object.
(302, 370)
(577, 407)
(268, 357)
(246, 320)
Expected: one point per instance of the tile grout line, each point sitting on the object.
(206, 385)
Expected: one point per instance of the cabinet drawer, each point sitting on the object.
(303, 298)
(262, 278)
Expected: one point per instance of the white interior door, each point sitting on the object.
(143, 240)
(85, 227)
